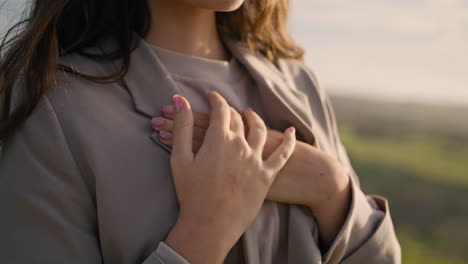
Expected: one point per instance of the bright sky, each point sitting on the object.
(404, 50)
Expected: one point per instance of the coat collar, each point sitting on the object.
(152, 86)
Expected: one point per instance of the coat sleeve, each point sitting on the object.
(368, 235)
(47, 210)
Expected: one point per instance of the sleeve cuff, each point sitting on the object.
(367, 236)
(165, 255)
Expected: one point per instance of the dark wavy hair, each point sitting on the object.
(31, 49)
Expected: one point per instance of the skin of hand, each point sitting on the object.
(220, 188)
(310, 177)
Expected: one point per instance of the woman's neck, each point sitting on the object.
(185, 29)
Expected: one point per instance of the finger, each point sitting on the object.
(200, 119)
(168, 111)
(220, 115)
(165, 136)
(197, 143)
(168, 126)
(257, 132)
(182, 130)
(167, 142)
(161, 123)
(198, 133)
(237, 125)
(166, 139)
(283, 152)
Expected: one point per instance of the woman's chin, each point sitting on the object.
(216, 5)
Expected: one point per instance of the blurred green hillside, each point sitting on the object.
(417, 157)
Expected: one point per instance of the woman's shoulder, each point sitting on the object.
(72, 101)
(302, 76)
(73, 70)
(80, 76)
(87, 62)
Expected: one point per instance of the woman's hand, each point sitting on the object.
(220, 188)
(310, 177)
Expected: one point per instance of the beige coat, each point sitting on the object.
(86, 180)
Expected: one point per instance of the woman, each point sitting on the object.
(163, 132)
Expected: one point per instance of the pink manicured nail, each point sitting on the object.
(292, 129)
(169, 109)
(165, 135)
(157, 121)
(178, 102)
(248, 109)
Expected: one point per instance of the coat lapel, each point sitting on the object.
(149, 83)
(283, 105)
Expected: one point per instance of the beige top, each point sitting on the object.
(196, 76)
(85, 179)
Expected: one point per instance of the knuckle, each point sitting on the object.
(224, 134)
(259, 165)
(239, 143)
(284, 155)
(266, 177)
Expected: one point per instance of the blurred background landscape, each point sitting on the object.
(397, 73)
(416, 156)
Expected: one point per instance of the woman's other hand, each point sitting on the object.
(310, 177)
(221, 187)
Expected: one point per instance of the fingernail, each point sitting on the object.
(165, 135)
(292, 129)
(248, 109)
(178, 102)
(169, 109)
(157, 121)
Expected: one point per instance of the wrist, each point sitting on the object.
(331, 214)
(334, 186)
(339, 201)
(200, 242)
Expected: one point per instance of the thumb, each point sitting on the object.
(182, 132)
